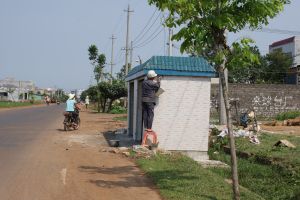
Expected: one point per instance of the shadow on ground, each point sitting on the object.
(130, 176)
(117, 135)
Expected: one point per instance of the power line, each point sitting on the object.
(142, 31)
(142, 45)
(119, 22)
(151, 35)
(143, 35)
(279, 31)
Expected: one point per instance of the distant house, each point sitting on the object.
(290, 46)
(182, 112)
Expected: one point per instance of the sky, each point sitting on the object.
(47, 41)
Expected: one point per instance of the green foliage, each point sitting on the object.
(270, 182)
(121, 74)
(204, 23)
(247, 73)
(271, 68)
(277, 66)
(118, 110)
(91, 92)
(98, 61)
(218, 143)
(8, 104)
(273, 172)
(288, 115)
(112, 91)
(179, 177)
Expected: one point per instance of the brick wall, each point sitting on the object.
(182, 114)
(266, 99)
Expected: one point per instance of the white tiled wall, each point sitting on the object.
(181, 118)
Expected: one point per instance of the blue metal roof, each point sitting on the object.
(175, 66)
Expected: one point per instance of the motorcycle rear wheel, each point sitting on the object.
(65, 127)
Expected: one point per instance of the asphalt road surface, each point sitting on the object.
(25, 153)
(40, 161)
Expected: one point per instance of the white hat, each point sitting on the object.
(151, 74)
(71, 96)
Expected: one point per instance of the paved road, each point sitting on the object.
(22, 135)
(39, 161)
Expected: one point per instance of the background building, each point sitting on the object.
(290, 46)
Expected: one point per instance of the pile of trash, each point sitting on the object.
(250, 132)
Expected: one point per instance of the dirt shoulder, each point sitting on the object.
(94, 174)
(288, 130)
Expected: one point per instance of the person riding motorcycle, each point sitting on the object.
(72, 108)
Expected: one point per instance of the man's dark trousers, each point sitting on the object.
(148, 114)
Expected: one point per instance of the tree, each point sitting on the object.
(121, 75)
(272, 68)
(98, 62)
(112, 91)
(277, 65)
(203, 27)
(249, 73)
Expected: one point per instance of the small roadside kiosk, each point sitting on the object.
(181, 114)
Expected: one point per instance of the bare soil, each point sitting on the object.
(93, 174)
(288, 130)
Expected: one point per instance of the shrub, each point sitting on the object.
(288, 115)
(118, 110)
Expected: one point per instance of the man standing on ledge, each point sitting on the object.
(150, 86)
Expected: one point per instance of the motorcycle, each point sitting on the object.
(71, 121)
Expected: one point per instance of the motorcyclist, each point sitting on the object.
(72, 108)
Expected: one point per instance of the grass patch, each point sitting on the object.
(269, 182)
(286, 157)
(118, 110)
(278, 180)
(122, 118)
(288, 115)
(179, 177)
(15, 104)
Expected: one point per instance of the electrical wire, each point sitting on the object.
(145, 43)
(143, 35)
(279, 31)
(150, 36)
(149, 20)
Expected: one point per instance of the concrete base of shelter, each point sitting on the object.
(196, 155)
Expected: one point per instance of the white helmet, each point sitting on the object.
(71, 96)
(151, 74)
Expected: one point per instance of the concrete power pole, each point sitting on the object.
(127, 39)
(131, 53)
(112, 57)
(170, 49)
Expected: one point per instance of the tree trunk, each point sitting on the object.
(103, 105)
(110, 105)
(234, 172)
(98, 98)
(222, 109)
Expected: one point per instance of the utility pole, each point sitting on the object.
(112, 57)
(127, 47)
(127, 39)
(131, 53)
(170, 49)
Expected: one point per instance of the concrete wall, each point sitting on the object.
(182, 114)
(266, 99)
